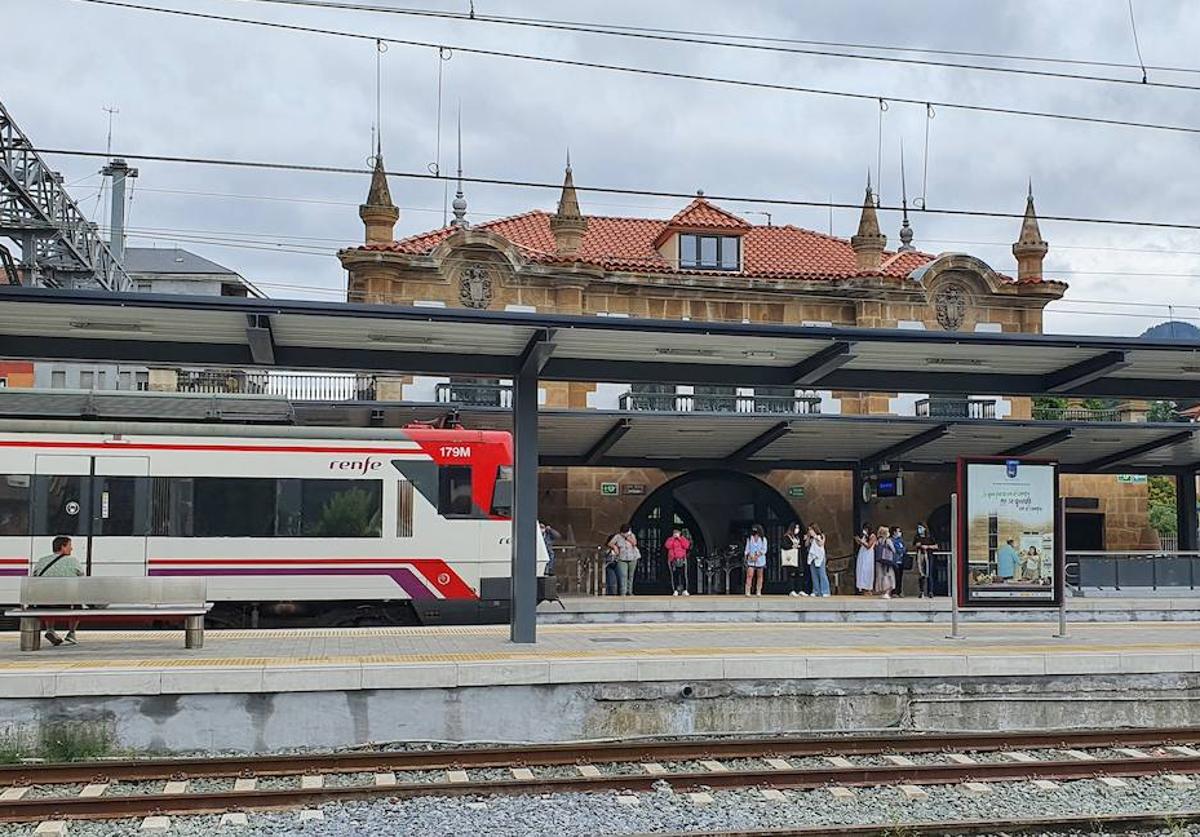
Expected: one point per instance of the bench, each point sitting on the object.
(115, 599)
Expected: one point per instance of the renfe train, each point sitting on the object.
(289, 526)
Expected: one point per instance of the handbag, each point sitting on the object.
(789, 557)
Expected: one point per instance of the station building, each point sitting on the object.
(707, 263)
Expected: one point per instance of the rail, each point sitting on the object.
(474, 394)
(1154, 569)
(965, 408)
(679, 402)
(295, 386)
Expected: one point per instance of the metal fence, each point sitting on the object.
(718, 403)
(1160, 569)
(474, 395)
(295, 386)
(965, 408)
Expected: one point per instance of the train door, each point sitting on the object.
(101, 502)
(62, 505)
(120, 494)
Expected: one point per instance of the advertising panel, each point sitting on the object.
(1009, 540)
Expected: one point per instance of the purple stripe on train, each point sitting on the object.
(406, 579)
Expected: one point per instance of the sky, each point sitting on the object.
(191, 87)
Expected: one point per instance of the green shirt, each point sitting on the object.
(64, 567)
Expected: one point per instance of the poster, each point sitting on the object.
(1009, 539)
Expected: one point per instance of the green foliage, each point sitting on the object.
(1162, 504)
(14, 746)
(1163, 411)
(1049, 403)
(348, 514)
(74, 740)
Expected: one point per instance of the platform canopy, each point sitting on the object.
(52, 324)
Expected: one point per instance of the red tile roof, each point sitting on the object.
(629, 244)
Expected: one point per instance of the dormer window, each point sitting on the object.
(710, 252)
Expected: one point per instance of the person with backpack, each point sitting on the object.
(625, 545)
(901, 559)
(677, 547)
(59, 564)
(885, 564)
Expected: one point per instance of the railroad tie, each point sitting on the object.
(51, 828)
(1018, 756)
(589, 770)
(312, 782)
(244, 785)
(1043, 785)
(385, 780)
(913, 792)
(654, 768)
(961, 758)
(156, 825)
(1080, 755)
(234, 819)
(93, 790)
(13, 794)
(628, 799)
(1177, 781)
(458, 777)
(700, 798)
(1110, 782)
(713, 766)
(779, 764)
(1184, 751)
(173, 786)
(839, 761)
(311, 814)
(841, 793)
(900, 761)
(975, 788)
(772, 795)
(1130, 752)
(523, 774)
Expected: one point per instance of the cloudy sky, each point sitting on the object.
(201, 88)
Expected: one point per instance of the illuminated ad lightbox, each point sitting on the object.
(1009, 539)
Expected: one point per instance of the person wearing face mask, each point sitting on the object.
(925, 546)
(864, 566)
(902, 560)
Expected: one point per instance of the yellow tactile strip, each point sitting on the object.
(50, 666)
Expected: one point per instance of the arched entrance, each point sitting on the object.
(716, 509)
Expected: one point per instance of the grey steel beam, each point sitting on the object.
(762, 440)
(1040, 443)
(1072, 377)
(611, 436)
(906, 446)
(816, 366)
(523, 625)
(1146, 447)
(1186, 515)
(537, 352)
(259, 339)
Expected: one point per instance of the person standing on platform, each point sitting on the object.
(901, 559)
(864, 566)
(815, 539)
(678, 547)
(59, 564)
(789, 559)
(756, 559)
(885, 558)
(926, 546)
(549, 536)
(627, 557)
(612, 581)
(1006, 561)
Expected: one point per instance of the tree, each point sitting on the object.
(1162, 505)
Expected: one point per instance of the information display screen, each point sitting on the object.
(1009, 540)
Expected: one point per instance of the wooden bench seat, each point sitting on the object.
(101, 599)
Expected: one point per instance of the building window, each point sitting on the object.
(58, 379)
(710, 252)
(141, 381)
(87, 380)
(125, 380)
(143, 287)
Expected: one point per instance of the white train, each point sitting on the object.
(287, 525)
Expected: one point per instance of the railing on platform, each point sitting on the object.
(1155, 569)
(679, 402)
(1078, 414)
(965, 408)
(474, 395)
(295, 386)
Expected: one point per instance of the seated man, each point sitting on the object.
(59, 564)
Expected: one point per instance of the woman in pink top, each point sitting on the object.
(677, 547)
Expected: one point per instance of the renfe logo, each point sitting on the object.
(358, 466)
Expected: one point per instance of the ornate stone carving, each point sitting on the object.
(950, 303)
(475, 287)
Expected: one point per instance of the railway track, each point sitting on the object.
(118, 789)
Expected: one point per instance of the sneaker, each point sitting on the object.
(674, 592)
(802, 593)
(69, 639)
(686, 593)
(53, 638)
(886, 596)
(793, 593)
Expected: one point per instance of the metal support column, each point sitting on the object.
(523, 627)
(119, 171)
(1185, 511)
(858, 505)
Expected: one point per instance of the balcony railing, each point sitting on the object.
(294, 386)
(962, 408)
(704, 403)
(474, 395)
(1076, 414)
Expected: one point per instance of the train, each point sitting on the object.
(289, 526)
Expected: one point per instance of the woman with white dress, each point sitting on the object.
(864, 565)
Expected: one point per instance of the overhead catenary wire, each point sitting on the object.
(717, 40)
(609, 190)
(647, 71)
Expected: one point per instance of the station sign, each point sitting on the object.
(1010, 543)
(633, 489)
(795, 491)
(1133, 478)
(610, 489)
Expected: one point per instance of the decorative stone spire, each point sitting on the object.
(1030, 248)
(906, 233)
(567, 223)
(869, 242)
(460, 200)
(379, 215)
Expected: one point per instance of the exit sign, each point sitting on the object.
(610, 489)
(795, 491)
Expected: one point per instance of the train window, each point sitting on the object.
(119, 507)
(171, 507)
(14, 504)
(60, 506)
(232, 507)
(502, 494)
(341, 508)
(454, 491)
(404, 509)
